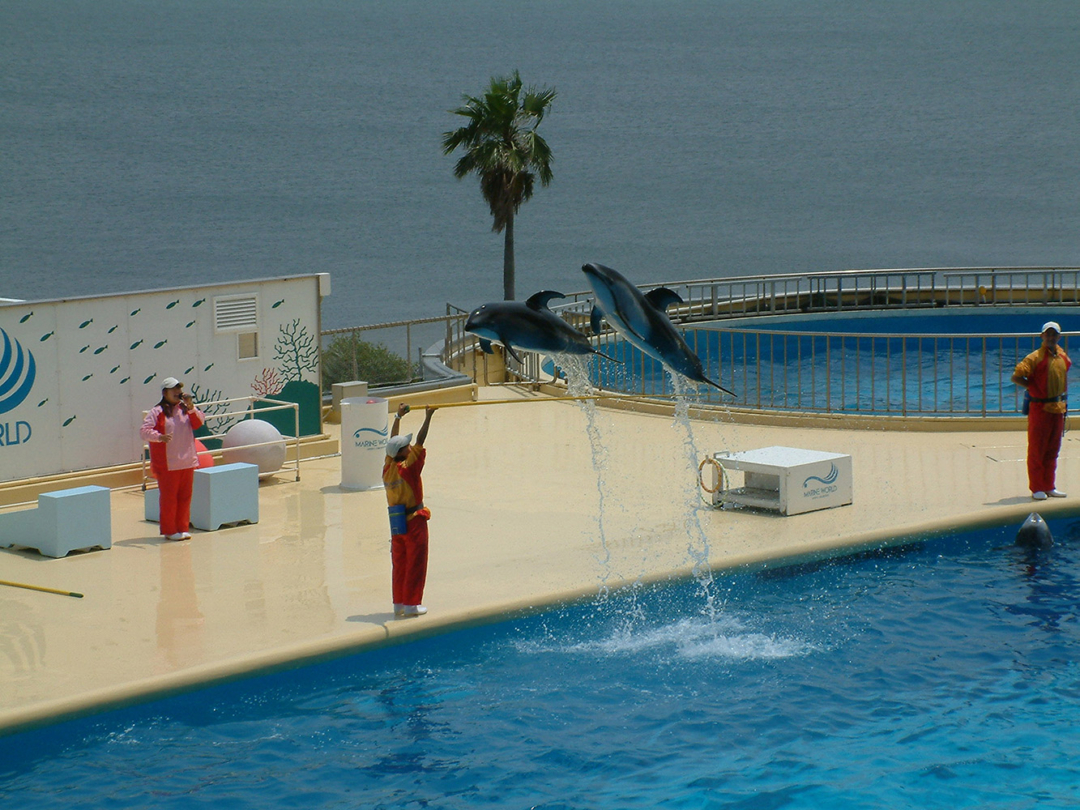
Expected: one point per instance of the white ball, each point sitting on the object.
(268, 457)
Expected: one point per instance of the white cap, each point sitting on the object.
(395, 444)
(1050, 325)
(170, 382)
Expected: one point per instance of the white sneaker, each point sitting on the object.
(414, 610)
(177, 536)
(1038, 496)
(1057, 493)
(399, 609)
(185, 535)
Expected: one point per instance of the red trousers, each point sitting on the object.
(174, 500)
(409, 554)
(1044, 443)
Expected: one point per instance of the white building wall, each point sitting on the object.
(97, 363)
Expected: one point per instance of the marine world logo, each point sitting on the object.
(17, 373)
(378, 441)
(834, 473)
(827, 486)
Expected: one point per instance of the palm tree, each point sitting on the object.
(503, 148)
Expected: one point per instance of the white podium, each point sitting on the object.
(365, 426)
(787, 479)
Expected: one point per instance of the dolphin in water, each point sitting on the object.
(1034, 533)
(643, 320)
(530, 326)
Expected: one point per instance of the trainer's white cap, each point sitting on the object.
(1050, 325)
(395, 444)
(170, 382)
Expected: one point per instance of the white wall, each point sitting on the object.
(97, 363)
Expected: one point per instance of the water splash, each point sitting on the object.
(720, 638)
(578, 384)
(698, 547)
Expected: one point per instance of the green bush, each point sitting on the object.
(349, 358)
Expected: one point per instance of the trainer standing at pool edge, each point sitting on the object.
(1044, 374)
(408, 515)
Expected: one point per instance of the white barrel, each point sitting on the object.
(364, 428)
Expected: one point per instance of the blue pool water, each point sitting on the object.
(896, 362)
(944, 674)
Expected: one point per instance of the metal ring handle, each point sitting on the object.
(720, 475)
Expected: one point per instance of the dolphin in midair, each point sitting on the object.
(530, 326)
(1034, 533)
(643, 320)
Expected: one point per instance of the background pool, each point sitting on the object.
(942, 674)
(952, 321)
(935, 363)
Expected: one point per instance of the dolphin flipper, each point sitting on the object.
(509, 348)
(485, 347)
(597, 320)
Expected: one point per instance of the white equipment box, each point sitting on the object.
(787, 479)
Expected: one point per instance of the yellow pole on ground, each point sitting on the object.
(40, 588)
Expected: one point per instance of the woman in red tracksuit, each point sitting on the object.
(169, 428)
(1044, 374)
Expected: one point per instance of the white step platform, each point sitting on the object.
(787, 479)
(220, 495)
(63, 521)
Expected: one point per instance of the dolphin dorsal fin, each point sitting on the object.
(540, 300)
(662, 298)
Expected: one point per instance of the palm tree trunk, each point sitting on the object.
(508, 259)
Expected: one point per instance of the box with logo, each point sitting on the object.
(787, 479)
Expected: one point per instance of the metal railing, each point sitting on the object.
(853, 290)
(871, 373)
(882, 373)
(220, 411)
(386, 354)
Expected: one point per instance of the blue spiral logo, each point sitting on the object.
(17, 372)
(382, 433)
(834, 473)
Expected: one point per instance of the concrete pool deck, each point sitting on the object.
(524, 514)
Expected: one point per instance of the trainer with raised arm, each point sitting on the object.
(408, 515)
(1044, 376)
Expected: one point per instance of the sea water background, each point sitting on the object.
(150, 143)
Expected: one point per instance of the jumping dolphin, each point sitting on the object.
(1034, 533)
(530, 326)
(642, 319)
